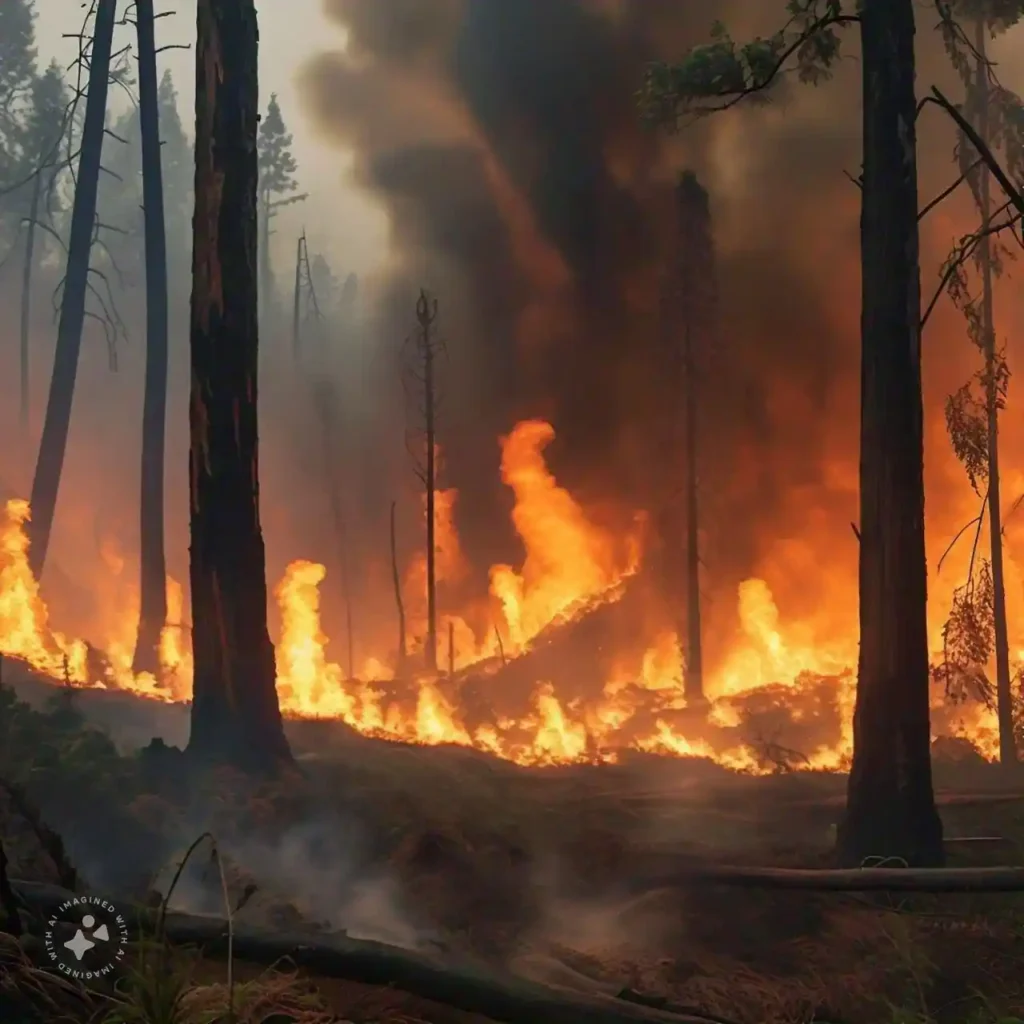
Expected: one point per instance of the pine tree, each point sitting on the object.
(41, 137)
(277, 185)
(17, 75)
(177, 157)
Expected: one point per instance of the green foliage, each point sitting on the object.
(277, 166)
(718, 74)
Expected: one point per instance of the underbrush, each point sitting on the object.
(478, 841)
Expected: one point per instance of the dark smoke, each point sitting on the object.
(502, 138)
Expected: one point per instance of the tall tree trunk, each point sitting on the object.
(398, 594)
(693, 683)
(235, 710)
(54, 440)
(152, 560)
(296, 304)
(264, 258)
(426, 325)
(890, 802)
(26, 298)
(1004, 698)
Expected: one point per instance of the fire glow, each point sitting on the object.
(572, 567)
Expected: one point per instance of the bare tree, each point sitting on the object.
(152, 560)
(396, 580)
(690, 323)
(422, 352)
(305, 304)
(53, 443)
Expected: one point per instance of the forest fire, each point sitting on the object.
(776, 693)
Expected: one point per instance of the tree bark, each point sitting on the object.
(426, 317)
(26, 299)
(54, 440)
(693, 681)
(1004, 697)
(396, 580)
(890, 800)
(297, 300)
(152, 559)
(235, 711)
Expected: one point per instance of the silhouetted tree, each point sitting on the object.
(422, 352)
(53, 443)
(44, 131)
(977, 626)
(694, 288)
(890, 802)
(17, 74)
(152, 559)
(235, 711)
(277, 186)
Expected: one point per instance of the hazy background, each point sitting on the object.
(490, 149)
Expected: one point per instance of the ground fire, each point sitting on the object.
(780, 692)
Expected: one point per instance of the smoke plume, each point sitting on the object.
(502, 140)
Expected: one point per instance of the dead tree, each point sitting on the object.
(152, 558)
(53, 443)
(235, 711)
(691, 319)
(397, 580)
(305, 304)
(326, 401)
(422, 354)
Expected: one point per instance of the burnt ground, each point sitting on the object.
(550, 873)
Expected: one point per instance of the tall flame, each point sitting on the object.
(570, 563)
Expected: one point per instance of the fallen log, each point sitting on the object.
(882, 879)
(503, 998)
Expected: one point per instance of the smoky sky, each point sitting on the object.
(503, 140)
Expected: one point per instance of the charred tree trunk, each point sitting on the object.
(426, 315)
(326, 400)
(396, 579)
(54, 439)
(26, 298)
(235, 710)
(693, 683)
(695, 298)
(890, 800)
(1004, 697)
(297, 300)
(152, 560)
(264, 258)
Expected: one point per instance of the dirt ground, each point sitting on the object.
(553, 874)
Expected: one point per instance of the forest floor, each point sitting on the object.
(554, 875)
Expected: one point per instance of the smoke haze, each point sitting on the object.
(501, 143)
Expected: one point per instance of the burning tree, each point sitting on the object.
(693, 288)
(422, 352)
(235, 710)
(890, 805)
(153, 563)
(977, 627)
